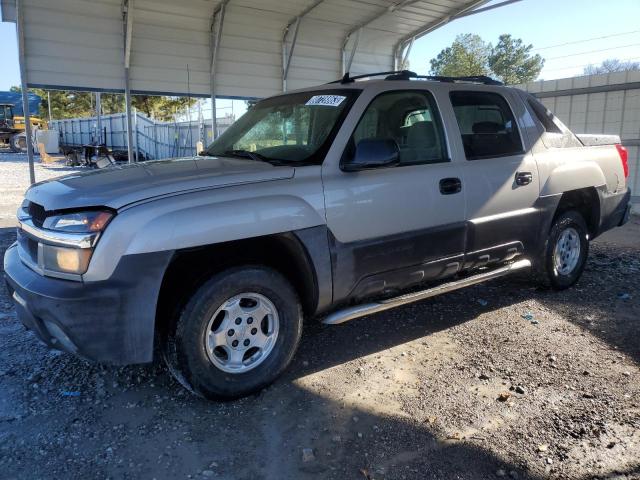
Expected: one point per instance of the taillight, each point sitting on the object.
(624, 158)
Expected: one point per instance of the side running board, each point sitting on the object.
(357, 311)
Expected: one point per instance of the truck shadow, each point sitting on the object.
(604, 304)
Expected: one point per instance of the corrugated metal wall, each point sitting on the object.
(154, 140)
(599, 104)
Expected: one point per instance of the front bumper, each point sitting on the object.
(109, 322)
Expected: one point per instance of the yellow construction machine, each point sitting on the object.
(12, 128)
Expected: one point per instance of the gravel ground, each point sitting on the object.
(14, 180)
(498, 380)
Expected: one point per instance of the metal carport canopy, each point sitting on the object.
(216, 48)
(233, 48)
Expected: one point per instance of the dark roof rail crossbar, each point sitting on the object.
(349, 79)
(408, 75)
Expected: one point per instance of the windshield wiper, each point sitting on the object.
(254, 156)
(247, 154)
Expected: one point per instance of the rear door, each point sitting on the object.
(499, 173)
(395, 226)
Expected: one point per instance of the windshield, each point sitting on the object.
(293, 128)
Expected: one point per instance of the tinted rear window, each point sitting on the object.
(487, 125)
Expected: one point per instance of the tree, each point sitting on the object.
(162, 108)
(511, 61)
(611, 65)
(70, 104)
(467, 55)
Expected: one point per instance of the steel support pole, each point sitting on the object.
(346, 64)
(99, 117)
(25, 92)
(405, 57)
(287, 56)
(127, 107)
(136, 153)
(217, 24)
(128, 33)
(155, 140)
(49, 106)
(214, 120)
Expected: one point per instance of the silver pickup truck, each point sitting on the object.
(333, 202)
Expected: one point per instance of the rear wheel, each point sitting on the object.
(565, 253)
(236, 334)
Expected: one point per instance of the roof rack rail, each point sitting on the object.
(349, 79)
(408, 75)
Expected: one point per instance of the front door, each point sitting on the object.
(392, 227)
(500, 176)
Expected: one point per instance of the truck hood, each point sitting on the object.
(118, 186)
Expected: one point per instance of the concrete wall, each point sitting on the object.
(598, 104)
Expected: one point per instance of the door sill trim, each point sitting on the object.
(357, 311)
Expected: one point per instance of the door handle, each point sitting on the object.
(449, 186)
(524, 178)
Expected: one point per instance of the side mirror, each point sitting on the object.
(373, 153)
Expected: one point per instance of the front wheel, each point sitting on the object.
(565, 253)
(236, 334)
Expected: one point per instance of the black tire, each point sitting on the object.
(18, 143)
(184, 348)
(546, 272)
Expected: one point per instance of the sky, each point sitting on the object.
(549, 23)
(569, 34)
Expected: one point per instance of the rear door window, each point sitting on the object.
(487, 125)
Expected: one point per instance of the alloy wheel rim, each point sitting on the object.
(242, 332)
(566, 253)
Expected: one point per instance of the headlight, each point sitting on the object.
(63, 246)
(65, 259)
(79, 222)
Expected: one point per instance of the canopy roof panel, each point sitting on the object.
(80, 44)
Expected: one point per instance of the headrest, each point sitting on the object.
(486, 127)
(421, 134)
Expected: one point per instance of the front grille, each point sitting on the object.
(37, 214)
(27, 248)
(32, 247)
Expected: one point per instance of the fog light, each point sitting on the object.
(66, 260)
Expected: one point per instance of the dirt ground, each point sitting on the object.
(498, 380)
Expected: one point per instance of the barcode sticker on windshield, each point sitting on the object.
(326, 100)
